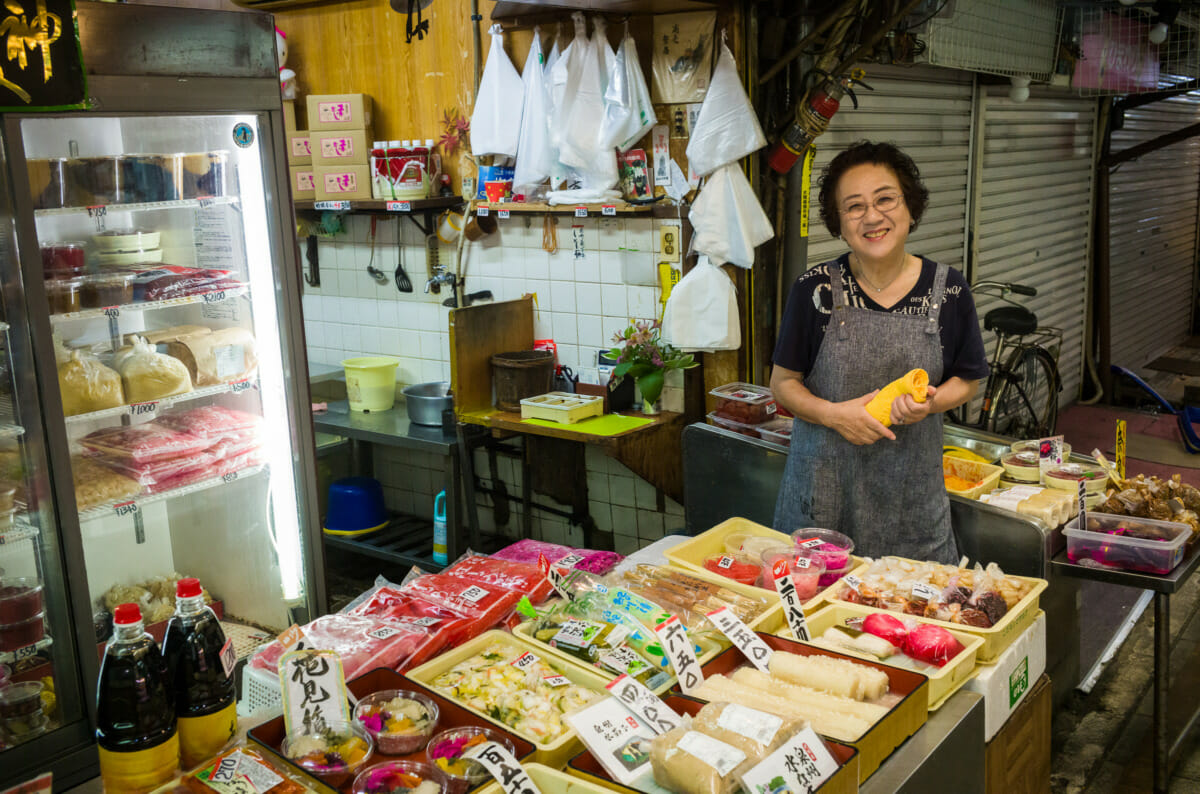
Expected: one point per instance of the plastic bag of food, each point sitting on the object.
(223, 356)
(177, 281)
(529, 550)
(687, 761)
(487, 605)
(688, 596)
(87, 385)
(157, 472)
(96, 485)
(727, 128)
(363, 643)
(446, 627)
(149, 375)
(888, 627)
(932, 644)
(728, 219)
(522, 577)
(143, 443)
(496, 119)
(213, 422)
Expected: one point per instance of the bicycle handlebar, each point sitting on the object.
(1005, 287)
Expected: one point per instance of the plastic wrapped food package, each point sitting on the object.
(95, 485)
(155, 472)
(145, 443)
(446, 627)
(488, 604)
(219, 357)
(107, 289)
(177, 281)
(256, 767)
(363, 643)
(212, 422)
(528, 550)
(87, 385)
(688, 596)
(744, 403)
(598, 643)
(522, 577)
(221, 468)
(149, 375)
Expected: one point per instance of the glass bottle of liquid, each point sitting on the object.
(135, 714)
(201, 679)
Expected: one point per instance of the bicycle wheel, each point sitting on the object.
(1025, 404)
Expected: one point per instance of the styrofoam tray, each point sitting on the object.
(561, 406)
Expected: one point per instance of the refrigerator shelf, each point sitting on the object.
(105, 510)
(165, 402)
(196, 203)
(11, 431)
(10, 657)
(91, 314)
(20, 531)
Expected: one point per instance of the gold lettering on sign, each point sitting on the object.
(21, 33)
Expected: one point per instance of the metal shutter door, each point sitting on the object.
(1153, 233)
(927, 113)
(1034, 212)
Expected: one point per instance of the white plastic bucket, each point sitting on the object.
(371, 383)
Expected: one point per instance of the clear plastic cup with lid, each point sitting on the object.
(834, 547)
(805, 566)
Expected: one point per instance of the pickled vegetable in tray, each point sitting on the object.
(363, 643)
(145, 443)
(598, 643)
(528, 550)
(213, 422)
(687, 596)
(522, 577)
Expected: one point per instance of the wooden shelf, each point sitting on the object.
(508, 10)
(541, 207)
(373, 205)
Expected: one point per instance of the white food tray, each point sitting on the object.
(561, 406)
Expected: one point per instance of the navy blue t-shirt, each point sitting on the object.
(810, 305)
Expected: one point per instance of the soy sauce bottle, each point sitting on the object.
(205, 698)
(135, 714)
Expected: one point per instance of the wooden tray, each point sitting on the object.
(270, 735)
(874, 746)
(844, 781)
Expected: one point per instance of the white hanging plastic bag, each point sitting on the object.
(682, 56)
(604, 51)
(727, 128)
(553, 57)
(728, 220)
(565, 77)
(617, 104)
(702, 312)
(496, 121)
(628, 112)
(534, 157)
(641, 105)
(582, 106)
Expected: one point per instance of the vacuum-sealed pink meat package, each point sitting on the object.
(363, 643)
(145, 443)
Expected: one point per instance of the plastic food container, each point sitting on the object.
(205, 174)
(738, 566)
(371, 383)
(144, 256)
(110, 289)
(1130, 544)
(1068, 475)
(744, 403)
(64, 294)
(1034, 445)
(831, 577)
(126, 240)
(734, 425)
(94, 181)
(1022, 466)
(20, 633)
(394, 719)
(833, 546)
(805, 566)
(63, 260)
(396, 777)
(349, 740)
(755, 545)
(444, 752)
(47, 182)
(20, 700)
(969, 478)
(20, 599)
(777, 431)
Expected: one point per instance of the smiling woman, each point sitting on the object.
(851, 326)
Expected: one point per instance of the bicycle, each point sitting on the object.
(1020, 398)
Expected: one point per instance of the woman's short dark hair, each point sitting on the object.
(916, 195)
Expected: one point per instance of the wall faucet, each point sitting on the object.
(440, 277)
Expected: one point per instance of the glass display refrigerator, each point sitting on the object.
(153, 384)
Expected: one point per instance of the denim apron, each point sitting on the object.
(889, 496)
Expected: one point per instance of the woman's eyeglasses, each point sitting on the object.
(884, 203)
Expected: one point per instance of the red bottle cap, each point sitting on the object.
(187, 588)
(127, 614)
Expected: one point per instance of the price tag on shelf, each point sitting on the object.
(749, 643)
(314, 690)
(331, 205)
(644, 703)
(112, 312)
(504, 214)
(581, 212)
(678, 648)
(399, 206)
(144, 409)
(785, 585)
(608, 210)
(482, 212)
(500, 764)
(228, 657)
(291, 636)
(853, 582)
(554, 576)
(214, 297)
(239, 386)
(98, 211)
(25, 652)
(125, 508)
(205, 202)
(556, 680)
(525, 661)
(229, 476)
(800, 765)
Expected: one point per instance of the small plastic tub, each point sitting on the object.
(1067, 477)
(20, 599)
(445, 752)
(734, 425)
(777, 431)
(64, 295)
(1034, 445)
(738, 566)
(1129, 544)
(126, 240)
(399, 777)
(1022, 466)
(399, 721)
(834, 547)
(335, 755)
(744, 403)
(805, 566)
(117, 259)
(21, 700)
(21, 633)
(110, 289)
(63, 260)
(753, 545)
(830, 577)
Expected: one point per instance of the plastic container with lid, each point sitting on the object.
(126, 240)
(833, 546)
(1022, 466)
(1068, 475)
(398, 777)
(1034, 445)
(445, 750)
(20, 599)
(738, 566)
(777, 431)
(750, 430)
(64, 260)
(21, 716)
(1130, 544)
(755, 545)
(805, 566)
(64, 294)
(399, 721)
(123, 259)
(335, 755)
(108, 289)
(744, 402)
(47, 182)
(21, 633)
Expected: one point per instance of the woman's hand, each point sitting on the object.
(907, 411)
(852, 422)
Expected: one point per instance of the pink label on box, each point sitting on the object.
(341, 183)
(305, 181)
(300, 146)
(337, 147)
(335, 112)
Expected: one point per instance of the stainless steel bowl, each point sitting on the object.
(426, 401)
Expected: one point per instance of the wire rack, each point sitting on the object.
(1013, 38)
(1112, 52)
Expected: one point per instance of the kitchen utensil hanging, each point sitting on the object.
(377, 274)
(402, 281)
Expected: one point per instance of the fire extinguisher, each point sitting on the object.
(812, 119)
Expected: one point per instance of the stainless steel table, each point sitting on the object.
(949, 748)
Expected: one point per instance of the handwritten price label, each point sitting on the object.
(581, 212)
(27, 652)
(749, 643)
(98, 211)
(125, 509)
(239, 386)
(525, 661)
(608, 210)
(678, 646)
(230, 477)
(144, 409)
(482, 211)
(214, 297)
(399, 206)
(331, 205)
(503, 214)
(112, 312)
(644, 703)
(204, 202)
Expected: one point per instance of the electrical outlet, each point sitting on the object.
(668, 237)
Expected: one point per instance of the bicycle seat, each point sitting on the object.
(1010, 321)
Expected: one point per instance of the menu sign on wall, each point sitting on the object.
(43, 67)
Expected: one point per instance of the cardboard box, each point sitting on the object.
(341, 147)
(1005, 682)
(289, 116)
(1018, 759)
(303, 179)
(339, 183)
(299, 150)
(339, 112)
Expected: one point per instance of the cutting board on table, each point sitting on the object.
(607, 425)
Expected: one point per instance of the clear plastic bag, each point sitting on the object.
(496, 120)
(702, 312)
(535, 156)
(628, 111)
(575, 119)
(148, 375)
(728, 219)
(87, 385)
(727, 128)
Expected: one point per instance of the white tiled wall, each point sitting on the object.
(581, 301)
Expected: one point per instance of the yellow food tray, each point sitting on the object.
(691, 554)
(551, 781)
(987, 475)
(709, 649)
(998, 637)
(554, 754)
(942, 684)
(770, 620)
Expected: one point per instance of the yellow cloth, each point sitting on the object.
(914, 382)
(607, 425)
